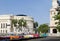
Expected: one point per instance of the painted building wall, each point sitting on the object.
(53, 12)
(5, 24)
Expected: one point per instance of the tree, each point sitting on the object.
(57, 17)
(43, 28)
(35, 26)
(58, 27)
(19, 24)
(13, 23)
(22, 23)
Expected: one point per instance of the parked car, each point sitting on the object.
(21, 36)
(43, 35)
(28, 36)
(4, 37)
(14, 37)
(11, 36)
(35, 35)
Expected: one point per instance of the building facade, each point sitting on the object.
(5, 24)
(53, 12)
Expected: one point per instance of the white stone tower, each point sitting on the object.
(53, 12)
(54, 3)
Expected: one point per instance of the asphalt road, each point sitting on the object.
(40, 39)
(44, 39)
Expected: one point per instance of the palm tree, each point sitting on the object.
(57, 17)
(22, 23)
(13, 23)
(35, 26)
(58, 27)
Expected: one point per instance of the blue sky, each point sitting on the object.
(38, 9)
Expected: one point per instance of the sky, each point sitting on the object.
(38, 9)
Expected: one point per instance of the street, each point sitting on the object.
(38, 39)
(42, 39)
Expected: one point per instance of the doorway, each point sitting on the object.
(54, 30)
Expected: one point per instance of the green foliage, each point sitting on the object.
(43, 28)
(58, 27)
(58, 23)
(57, 17)
(35, 24)
(14, 22)
(22, 22)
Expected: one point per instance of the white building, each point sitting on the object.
(53, 12)
(5, 24)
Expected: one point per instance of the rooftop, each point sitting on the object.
(21, 15)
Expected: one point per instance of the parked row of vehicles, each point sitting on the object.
(22, 36)
(19, 36)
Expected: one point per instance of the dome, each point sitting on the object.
(21, 15)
